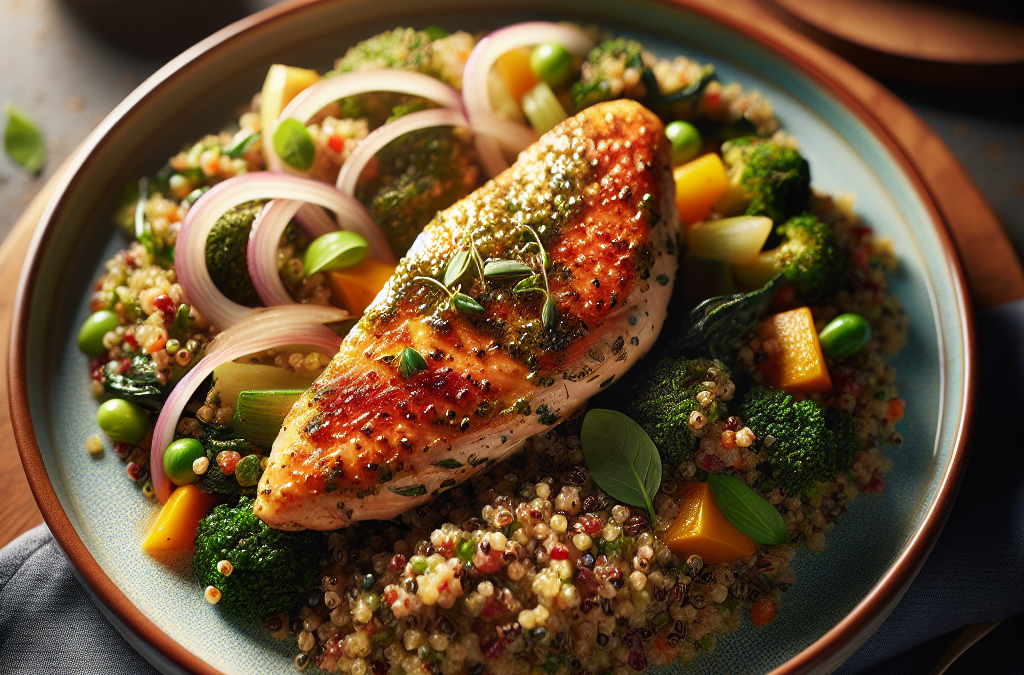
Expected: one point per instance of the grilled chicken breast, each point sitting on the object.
(429, 389)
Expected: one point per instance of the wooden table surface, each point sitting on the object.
(994, 273)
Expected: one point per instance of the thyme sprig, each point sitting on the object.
(456, 299)
(549, 314)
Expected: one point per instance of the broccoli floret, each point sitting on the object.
(613, 69)
(662, 398)
(418, 175)
(621, 68)
(226, 254)
(810, 258)
(767, 178)
(273, 570)
(804, 442)
(402, 48)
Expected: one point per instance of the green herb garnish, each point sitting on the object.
(294, 145)
(409, 490)
(23, 140)
(621, 457)
(751, 513)
(241, 146)
(447, 463)
(334, 251)
(409, 362)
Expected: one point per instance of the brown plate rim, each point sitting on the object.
(810, 59)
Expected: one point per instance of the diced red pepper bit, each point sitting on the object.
(227, 460)
(135, 472)
(492, 610)
(390, 595)
(125, 366)
(876, 484)
(130, 339)
(897, 406)
(559, 552)
(164, 304)
(397, 562)
(336, 143)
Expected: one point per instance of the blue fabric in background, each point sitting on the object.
(49, 625)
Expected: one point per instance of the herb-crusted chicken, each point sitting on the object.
(512, 308)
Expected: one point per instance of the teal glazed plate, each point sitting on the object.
(99, 519)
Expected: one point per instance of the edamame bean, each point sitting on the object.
(845, 335)
(248, 470)
(552, 63)
(686, 141)
(90, 335)
(178, 459)
(123, 421)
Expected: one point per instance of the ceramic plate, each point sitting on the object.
(99, 518)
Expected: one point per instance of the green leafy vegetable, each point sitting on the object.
(549, 315)
(242, 145)
(751, 513)
(447, 463)
(409, 490)
(334, 251)
(465, 304)
(716, 327)
(506, 268)
(294, 145)
(616, 448)
(409, 362)
(457, 267)
(23, 140)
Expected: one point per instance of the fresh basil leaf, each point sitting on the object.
(294, 145)
(465, 304)
(242, 145)
(549, 315)
(621, 457)
(23, 140)
(447, 463)
(409, 362)
(506, 268)
(334, 251)
(751, 513)
(409, 490)
(528, 284)
(717, 327)
(456, 267)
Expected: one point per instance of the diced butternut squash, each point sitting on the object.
(699, 184)
(175, 527)
(795, 362)
(356, 287)
(283, 83)
(514, 69)
(702, 528)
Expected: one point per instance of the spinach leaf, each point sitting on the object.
(751, 513)
(718, 326)
(621, 457)
(23, 140)
(138, 384)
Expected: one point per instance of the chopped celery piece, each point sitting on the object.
(259, 414)
(733, 240)
(542, 108)
(231, 378)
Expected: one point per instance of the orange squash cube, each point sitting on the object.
(356, 287)
(699, 184)
(798, 365)
(702, 528)
(175, 527)
(514, 69)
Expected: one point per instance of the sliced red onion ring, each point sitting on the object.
(313, 99)
(265, 329)
(261, 254)
(190, 250)
(474, 79)
(380, 137)
(315, 221)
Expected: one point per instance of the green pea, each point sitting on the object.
(552, 63)
(845, 335)
(178, 459)
(248, 470)
(90, 335)
(419, 564)
(123, 421)
(686, 141)
(334, 251)
(466, 550)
